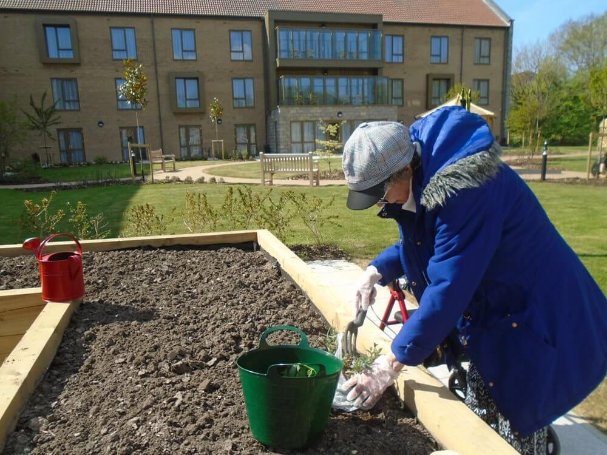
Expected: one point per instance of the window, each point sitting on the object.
(242, 93)
(57, 39)
(482, 51)
(482, 87)
(303, 137)
(438, 85)
(123, 43)
(65, 94)
(184, 44)
(246, 141)
(71, 146)
(187, 93)
(396, 92)
(241, 45)
(190, 141)
(133, 135)
(439, 49)
(121, 100)
(395, 45)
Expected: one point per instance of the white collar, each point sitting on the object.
(410, 204)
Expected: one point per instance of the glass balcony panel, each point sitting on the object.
(329, 44)
(345, 90)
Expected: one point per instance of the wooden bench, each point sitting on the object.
(157, 157)
(271, 163)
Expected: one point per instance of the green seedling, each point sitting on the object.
(298, 370)
(362, 362)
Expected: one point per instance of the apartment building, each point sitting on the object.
(282, 69)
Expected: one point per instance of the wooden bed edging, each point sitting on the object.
(450, 422)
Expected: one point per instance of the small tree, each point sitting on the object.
(215, 113)
(330, 145)
(12, 131)
(134, 89)
(42, 119)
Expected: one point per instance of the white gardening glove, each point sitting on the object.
(365, 389)
(366, 292)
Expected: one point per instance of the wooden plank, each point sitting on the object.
(232, 237)
(24, 367)
(13, 299)
(7, 344)
(16, 322)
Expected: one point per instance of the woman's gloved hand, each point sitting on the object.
(366, 292)
(365, 389)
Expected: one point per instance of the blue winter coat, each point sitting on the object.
(482, 257)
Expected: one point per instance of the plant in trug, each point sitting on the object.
(313, 212)
(134, 89)
(198, 214)
(142, 220)
(42, 119)
(83, 226)
(39, 218)
(12, 131)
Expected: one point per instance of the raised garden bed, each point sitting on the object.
(147, 364)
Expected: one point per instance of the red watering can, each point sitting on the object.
(60, 273)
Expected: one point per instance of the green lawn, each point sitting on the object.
(579, 212)
(252, 169)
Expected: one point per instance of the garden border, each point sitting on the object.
(450, 422)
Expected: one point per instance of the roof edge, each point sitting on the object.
(499, 11)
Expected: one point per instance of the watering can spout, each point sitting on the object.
(32, 243)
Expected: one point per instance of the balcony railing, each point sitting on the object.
(324, 44)
(329, 90)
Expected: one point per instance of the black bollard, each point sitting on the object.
(544, 160)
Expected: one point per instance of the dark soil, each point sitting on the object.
(147, 364)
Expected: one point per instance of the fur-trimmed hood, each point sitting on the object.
(458, 151)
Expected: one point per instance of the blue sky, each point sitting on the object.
(536, 19)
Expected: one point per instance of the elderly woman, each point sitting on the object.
(489, 270)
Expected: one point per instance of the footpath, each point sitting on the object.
(196, 172)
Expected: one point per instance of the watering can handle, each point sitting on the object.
(263, 344)
(51, 237)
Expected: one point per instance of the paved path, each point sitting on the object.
(203, 171)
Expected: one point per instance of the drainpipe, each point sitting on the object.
(157, 81)
(507, 78)
(461, 58)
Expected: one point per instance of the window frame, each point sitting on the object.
(242, 50)
(392, 59)
(182, 50)
(250, 145)
(234, 99)
(127, 51)
(476, 84)
(400, 82)
(68, 154)
(187, 75)
(303, 142)
(59, 99)
(189, 145)
(41, 24)
(439, 59)
(432, 77)
(479, 57)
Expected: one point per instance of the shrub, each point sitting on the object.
(100, 160)
(83, 226)
(175, 179)
(200, 179)
(39, 218)
(198, 215)
(188, 179)
(142, 220)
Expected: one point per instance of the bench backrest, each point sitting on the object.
(289, 162)
(156, 155)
